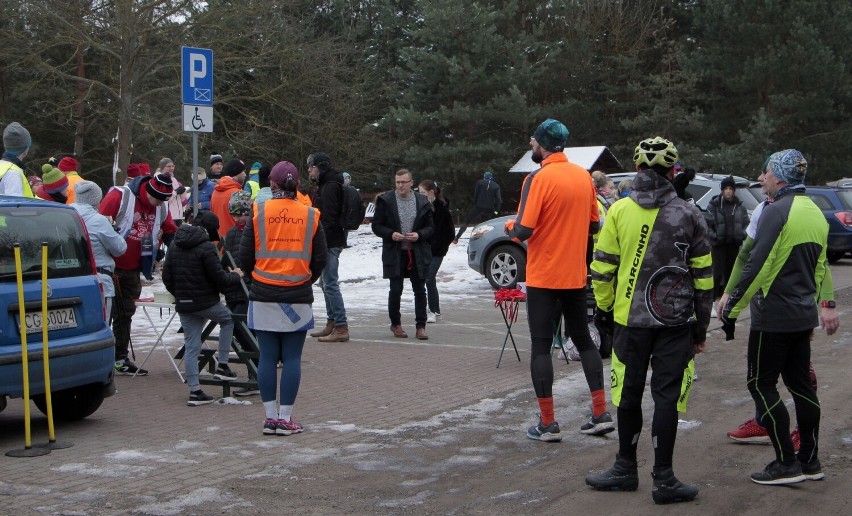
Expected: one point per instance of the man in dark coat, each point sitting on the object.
(328, 199)
(193, 274)
(403, 220)
(486, 201)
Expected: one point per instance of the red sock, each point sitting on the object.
(598, 402)
(545, 405)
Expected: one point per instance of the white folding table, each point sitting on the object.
(160, 328)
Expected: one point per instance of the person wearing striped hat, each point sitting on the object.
(138, 211)
(54, 185)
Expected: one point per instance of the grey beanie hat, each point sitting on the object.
(16, 139)
(87, 192)
(165, 162)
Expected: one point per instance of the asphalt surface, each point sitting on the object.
(396, 426)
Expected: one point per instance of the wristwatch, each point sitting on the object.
(828, 304)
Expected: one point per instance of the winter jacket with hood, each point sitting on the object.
(329, 201)
(652, 265)
(225, 188)
(726, 221)
(486, 195)
(192, 271)
(386, 222)
(144, 217)
(106, 243)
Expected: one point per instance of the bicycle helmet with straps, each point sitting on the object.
(655, 151)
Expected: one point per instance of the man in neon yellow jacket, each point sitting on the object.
(653, 282)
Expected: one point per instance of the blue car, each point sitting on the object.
(836, 205)
(80, 343)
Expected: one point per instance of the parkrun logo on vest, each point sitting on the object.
(643, 241)
(283, 218)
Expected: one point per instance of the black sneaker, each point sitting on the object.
(199, 398)
(549, 433)
(776, 474)
(600, 425)
(812, 470)
(622, 476)
(127, 368)
(245, 391)
(668, 489)
(224, 373)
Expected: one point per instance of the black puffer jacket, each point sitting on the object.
(236, 295)
(192, 271)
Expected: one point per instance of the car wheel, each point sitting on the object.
(834, 256)
(506, 266)
(72, 404)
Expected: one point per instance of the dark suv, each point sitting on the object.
(81, 345)
(836, 205)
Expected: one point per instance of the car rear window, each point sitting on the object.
(821, 201)
(67, 246)
(845, 199)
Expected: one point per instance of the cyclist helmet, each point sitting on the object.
(655, 151)
(240, 203)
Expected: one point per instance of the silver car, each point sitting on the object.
(503, 262)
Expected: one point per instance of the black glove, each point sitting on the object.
(728, 326)
(180, 190)
(604, 321)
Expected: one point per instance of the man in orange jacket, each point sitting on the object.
(233, 178)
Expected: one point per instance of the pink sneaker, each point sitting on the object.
(750, 432)
(287, 427)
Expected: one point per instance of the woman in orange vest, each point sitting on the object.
(283, 248)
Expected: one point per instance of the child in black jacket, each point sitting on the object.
(194, 275)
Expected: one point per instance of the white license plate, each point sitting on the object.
(57, 319)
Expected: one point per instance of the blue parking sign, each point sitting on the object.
(197, 76)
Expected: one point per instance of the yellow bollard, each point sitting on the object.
(45, 354)
(28, 450)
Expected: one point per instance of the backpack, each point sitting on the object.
(352, 214)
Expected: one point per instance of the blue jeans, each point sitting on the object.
(193, 326)
(329, 283)
(432, 285)
(285, 348)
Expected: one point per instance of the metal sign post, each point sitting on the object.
(197, 98)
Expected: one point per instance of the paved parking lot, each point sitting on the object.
(398, 426)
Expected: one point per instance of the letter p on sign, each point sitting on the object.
(197, 76)
(197, 68)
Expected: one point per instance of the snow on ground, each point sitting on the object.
(362, 284)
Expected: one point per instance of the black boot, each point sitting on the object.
(668, 489)
(622, 476)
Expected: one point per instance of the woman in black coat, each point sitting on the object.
(441, 239)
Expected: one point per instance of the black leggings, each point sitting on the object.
(540, 309)
(787, 355)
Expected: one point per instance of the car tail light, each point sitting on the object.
(845, 217)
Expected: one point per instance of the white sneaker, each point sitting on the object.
(430, 318)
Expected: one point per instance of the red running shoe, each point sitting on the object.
(750, 432)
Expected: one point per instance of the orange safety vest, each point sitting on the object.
(284, 231)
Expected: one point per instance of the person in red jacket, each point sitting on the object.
(139, 213)
(233, 178)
